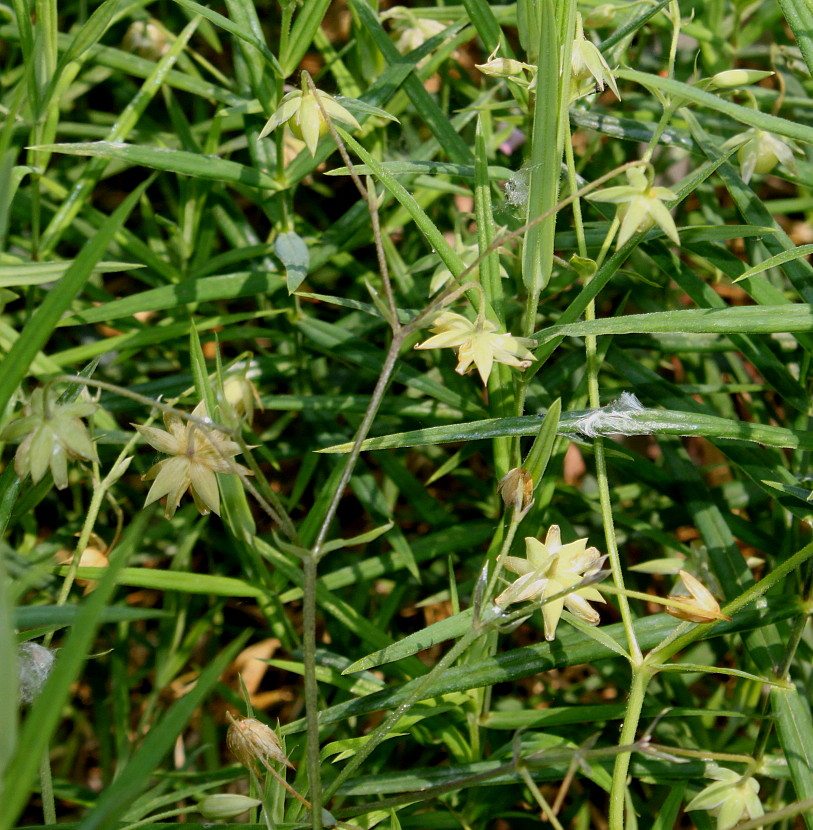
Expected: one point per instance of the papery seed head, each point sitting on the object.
(250, 740)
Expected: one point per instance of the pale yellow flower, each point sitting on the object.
(551, 568)
(198, 453)
(54, 434)
(762, 151)
(300, 110)
(478, 343)
(731, 798)
(640, 206)
(587, 62)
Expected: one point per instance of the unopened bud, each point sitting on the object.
(732, 78)
(251, 740)
(602, 15)
(501, 68)
(145, 39)
(701, 607)
(34, 664)
(223, 806)
(517, 489)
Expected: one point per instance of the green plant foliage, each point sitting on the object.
(285, 413)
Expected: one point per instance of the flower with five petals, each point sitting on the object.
(587, 62)
(551, 568)
(54, 433)
(640, 206)
(731, 798)
(762, 151)
(478, 343)
(197, 454)
(301, 111)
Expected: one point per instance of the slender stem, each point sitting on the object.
(640, 679)
(47, 787)
(547, 810)
(312, 686)
(384, 728)
(590, 343)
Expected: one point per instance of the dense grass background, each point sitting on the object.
(152, 243)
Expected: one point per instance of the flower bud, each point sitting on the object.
(702, 607)
(145, 39)
(251, 740)
(517, 489)
(600, 16)
(732, 78)
(34, 664)
(223, 806)
(501, 68)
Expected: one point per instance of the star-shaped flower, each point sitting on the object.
(300, 110)
(640, 206)
(479, 343)
(197, 454)
(731, 798)
(586, 61)
(549, 569)
(762, 151)
(54, 433)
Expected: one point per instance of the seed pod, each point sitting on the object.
(251, 740)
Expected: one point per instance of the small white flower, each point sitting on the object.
(551, 568)
(478, 343)
(587, 62)
(197, 454)
(762, 151)
(54, 434)
(731, 798)
(300, 110)
(640, 206)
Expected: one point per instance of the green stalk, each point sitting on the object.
(418, 693)
(47, 789)
(640, 680)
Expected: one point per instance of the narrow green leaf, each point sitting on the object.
(571, 648)
(205, 289)
(439, 632)
(426, 168)
(733, 319)
(231, 27)
(135, 777)
(292, 252)
(307, 22)
(46, 710)
(779, 259)
(799, 16)
(37, 273)
(638, 422)
(44, 319)
(794, 727)
(59, 616)
(745, 115)
(174, 161)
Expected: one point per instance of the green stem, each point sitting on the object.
(47, 787)
(383, 729)
(640, 679)
(312, 688)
